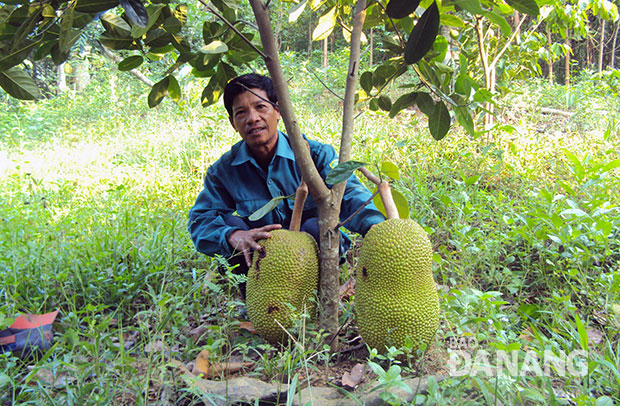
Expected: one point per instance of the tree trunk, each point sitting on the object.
(82, 75)
(601, 48)
(325, 61)
(310, 37)
(327, 200)
(372, 46)
(61, 78)
(517, 23)
(567, 59)
(550, 61)
(612, 62)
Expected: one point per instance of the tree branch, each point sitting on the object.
(317, 187)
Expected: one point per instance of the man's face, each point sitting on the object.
(256, 120)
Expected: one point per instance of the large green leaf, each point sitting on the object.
(528, 7)
(423, 35)
(153, 12)
(465, 119)
(401, 203)
(131, 62)
(384, 103)
(404, 101)
(174, 89)
(401, 8)
(499, 21)
(390, 169)
(296, 11)
(157, 38)
(95, 6)
(66, 37)
(25, 29)
(425, 103)
(439, 121)
(326, 25)
(7, 31)
(114, 24)
(18, 84)
(449, 20)
(15, 57)
(269, 206)
(211, 92)
(158, 92)
(342, 172)
(137, 13)
(117, 43)
(473, 6)
(215, 47)
(366, 81)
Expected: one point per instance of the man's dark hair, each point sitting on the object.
(242, 83)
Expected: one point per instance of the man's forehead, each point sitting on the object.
(252, 95)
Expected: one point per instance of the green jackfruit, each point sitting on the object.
(395, 293)
(282, 277)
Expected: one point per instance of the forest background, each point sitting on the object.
(522, 210)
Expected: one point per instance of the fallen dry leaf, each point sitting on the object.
(348, 289)
(247, 325)
(201, 365)
(527, 334)
(352, 379)
(223, 368)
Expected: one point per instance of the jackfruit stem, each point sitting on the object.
(300, 199)
(391, 212)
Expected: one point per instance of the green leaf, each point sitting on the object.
(374, 104)
(68, 35)
(211, 92)
(296, 11)
(129, 63)
(115, 24)
(366, 81)
(499, 21)
(342, 172)
(473, 6)
(44, 50)
(583, 334)
(404, 101)
(137, 13)
(399, 200)
(401, 8)
(464, 119)
(326, 25)
(172, 25)
(95, 6)
(18, 84)
(528, 7)
(158, 92)
(384, 103)
(423, 35)
(611, 165)
(450, 20)
(439, 121)
(390, 169)
(153, 12)
(117, 43)
(262, 212)
(174, 89)
(425, 103)
(18, 55)
(215, 47)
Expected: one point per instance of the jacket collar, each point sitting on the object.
(283, 150)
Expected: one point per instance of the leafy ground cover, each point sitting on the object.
(524, 221)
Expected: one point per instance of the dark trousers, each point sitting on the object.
(310, 226)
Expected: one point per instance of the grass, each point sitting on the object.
(93, 211)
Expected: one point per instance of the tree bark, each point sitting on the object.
(517, 22)
(550, 61)
(612, 62)
(327, 200)
(325, 61)
(372, 46)
(601, 48)
(61, 78)
(567, 59)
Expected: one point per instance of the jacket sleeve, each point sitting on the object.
(355, 194)
(207, 225)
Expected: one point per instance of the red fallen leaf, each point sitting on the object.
(228, 368)
(348, 289)
(352, 379)
(247, 325)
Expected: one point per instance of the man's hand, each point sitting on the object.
(246, 240)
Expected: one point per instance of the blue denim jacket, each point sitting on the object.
(236, 183)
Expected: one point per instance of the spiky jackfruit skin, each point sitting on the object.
(395, 294)
(285, 273)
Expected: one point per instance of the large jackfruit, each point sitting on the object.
(395, 294)
(284, 275)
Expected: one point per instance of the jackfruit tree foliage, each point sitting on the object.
(153, 29)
